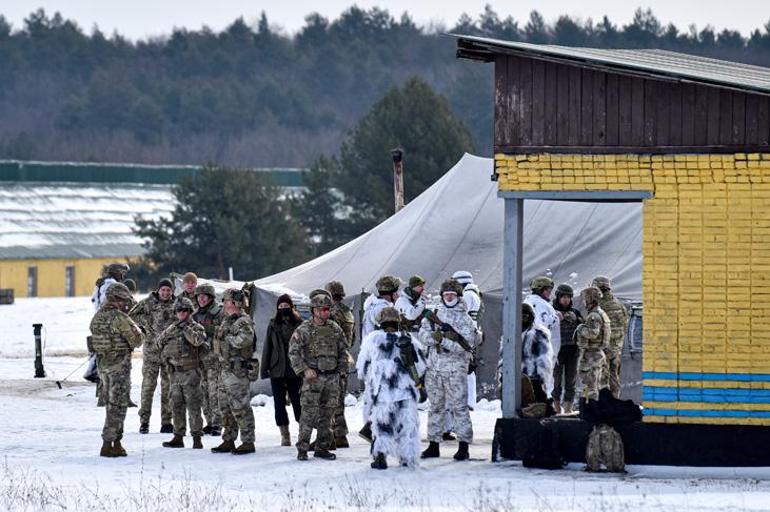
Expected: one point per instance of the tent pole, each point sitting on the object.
(512, 265)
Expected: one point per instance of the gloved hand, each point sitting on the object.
(437, 336)
(445, 327)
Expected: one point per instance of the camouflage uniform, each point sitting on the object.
(234, 347)
(210, 317)
(154, 315)
(446, 376)
(618, 316)
(187, 295)
(324, 349)
(592, 337)
(114, 337)
(605, 446)
(342, 315)
(179, 351)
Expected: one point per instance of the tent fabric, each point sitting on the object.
(457, 224)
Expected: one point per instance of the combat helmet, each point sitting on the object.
(183, 304)
(335, 288)
(388, 314)
(320, 299)
(117, 268)
(416, 281)
(463, 277)
(388, 284)
(451, 285)
(206, 289)
(564, 289)
(602, 282)
(541, 283)
(118, 292)
(591, 295)
(235, 295)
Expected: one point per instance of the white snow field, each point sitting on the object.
(50, 440)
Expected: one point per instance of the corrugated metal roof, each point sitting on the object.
(71, 220)
(662, 63)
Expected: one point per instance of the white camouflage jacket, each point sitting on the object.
(448, 356)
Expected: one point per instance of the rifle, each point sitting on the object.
(447, 329)
(407, 355)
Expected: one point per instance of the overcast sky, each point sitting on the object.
(142, 18)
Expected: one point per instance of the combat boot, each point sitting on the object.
(366, 432)
(324, 454)
(118, 450)
(556, 406)
(144, 428)
(225, 447)
(176, 442)
(462, 451)
(106, 450)
(341, 442)
(207, 429)
(167, 429)
(197, 443)
(285, 436)
(567, 407)
(244, 448)
(380, 462)
(431, 451)
(301, 454)
(216, 431)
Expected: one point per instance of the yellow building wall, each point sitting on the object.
(706, 273)
(51, 275)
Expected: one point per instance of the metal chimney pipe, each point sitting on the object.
(398, 177)
(39, 370)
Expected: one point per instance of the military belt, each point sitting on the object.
(181, 368)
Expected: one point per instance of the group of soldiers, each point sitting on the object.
(203, 353)
(561, 347)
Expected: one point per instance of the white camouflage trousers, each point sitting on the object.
(448, 392)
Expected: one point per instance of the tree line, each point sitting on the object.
(251, 95)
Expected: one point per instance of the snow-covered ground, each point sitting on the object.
(50, 439)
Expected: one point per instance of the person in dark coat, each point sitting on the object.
(276, 365)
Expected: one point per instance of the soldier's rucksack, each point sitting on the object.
(605, 446)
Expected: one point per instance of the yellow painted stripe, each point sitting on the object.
(706, 421)
(706, 384)
(707, 406)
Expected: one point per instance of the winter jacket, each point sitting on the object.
(275, 352)
(472, 297)
(571, 318)
(381, 369)
(546, 315)
(537, 357)
(410, 310)
(447, 355)
(100, 293)
(372, 308)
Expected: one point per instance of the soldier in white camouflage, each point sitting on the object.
(618, 316)
(342, 315)
(592, 338)
(449, 336)
(179, 345)
(154, 314)
(234, 345)
(113, 337)
(209, 315)
(318, 352)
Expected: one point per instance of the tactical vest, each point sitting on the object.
(230, 327)
(603, 340)
(322, 352)
(568, 324)
(104, 340)
(179, 351)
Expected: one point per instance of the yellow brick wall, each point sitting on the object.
(706, 272)
(51, 275)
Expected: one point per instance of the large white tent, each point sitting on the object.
(457, 224)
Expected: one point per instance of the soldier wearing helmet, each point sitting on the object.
(387, 293)
(343, 316)
(113, 337)
(618, 315)
(154, 313)
(450, 335)
(592, 337)
(545, 314)
(189, 284)
(565, 373)
(234, 345)
(180, 346)
(391, 368)
(318, 351)
(209, 315)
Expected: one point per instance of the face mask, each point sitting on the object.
(284, 312)
(450, 304)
